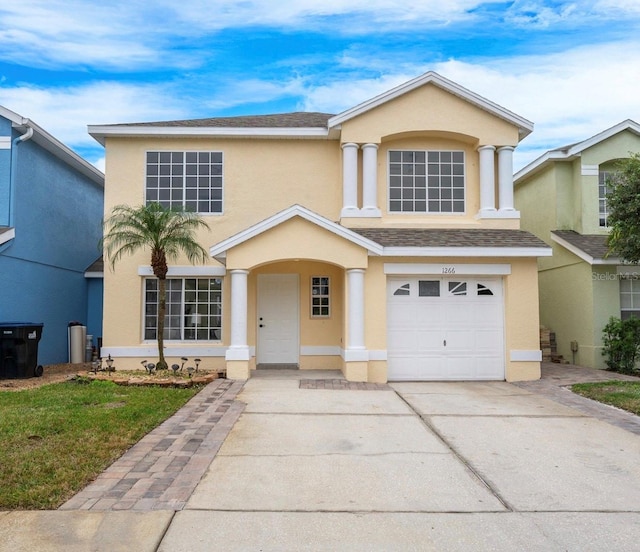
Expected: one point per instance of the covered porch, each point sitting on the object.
(298, 296)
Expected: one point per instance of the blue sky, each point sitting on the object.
(571, 67)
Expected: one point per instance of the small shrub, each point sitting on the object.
(621, 344)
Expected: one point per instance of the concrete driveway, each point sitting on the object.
(415, 466)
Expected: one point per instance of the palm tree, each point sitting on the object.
(166, 232)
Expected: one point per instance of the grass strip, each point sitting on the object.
(622, 394)
(57, 438)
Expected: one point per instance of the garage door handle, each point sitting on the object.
(444, 342)
(262, 325)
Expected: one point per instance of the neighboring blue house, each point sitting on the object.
(51, 208)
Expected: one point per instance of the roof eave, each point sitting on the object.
(447, 251)
(582, 254)
(101, 132)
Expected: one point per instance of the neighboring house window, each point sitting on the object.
(426, 181)
(320, 297)
(191, 180)
(603, 190)
(194, 309)
(629, 298)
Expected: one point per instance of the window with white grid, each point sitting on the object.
(320, 297)
(193, 309)
(191, 180)
(603, 190)
(629, 298)
(426, 181)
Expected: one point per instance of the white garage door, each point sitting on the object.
(445, 328)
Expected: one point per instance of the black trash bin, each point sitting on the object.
(19, 349)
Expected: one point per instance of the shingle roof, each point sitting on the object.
(594, 245)
(96, 266)
(299, 119)
(432, 237)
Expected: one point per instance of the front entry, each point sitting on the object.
(278, 319)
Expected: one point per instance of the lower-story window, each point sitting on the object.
(629, 298)
(320, 304)
(193, 311)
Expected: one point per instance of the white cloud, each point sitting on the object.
(569, 96)
(65, 112)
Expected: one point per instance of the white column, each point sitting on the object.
(238, 348)
(505, 178)
(349, 180)
(355, 288)
(370, 181)
(487, 178)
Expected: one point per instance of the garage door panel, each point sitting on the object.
(472, 326)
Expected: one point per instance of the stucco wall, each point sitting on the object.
(57, 219)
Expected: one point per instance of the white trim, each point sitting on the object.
(525, 127)
(94, 274)
(444, 269)
(589, 170)
(582, 254)
(5, 142)
(319, 350)
(362, 355)
(54, 146)
(574, 151)
(219, 250)
(525, 356)
(467, 252)
(169, 351)
(238, 353)
(99, 132)
(355, 355)
(7, 235)
(511, 214)
(186, 271)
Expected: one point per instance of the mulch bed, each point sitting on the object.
(56, 373)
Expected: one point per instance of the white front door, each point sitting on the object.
(278, 319)
(445, 328)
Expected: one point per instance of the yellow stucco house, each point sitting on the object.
(382, 241)
(563, 199)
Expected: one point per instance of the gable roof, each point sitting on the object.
(219, 250)
(300, 124)
(525, 127)
(573, 151)
(53, 145)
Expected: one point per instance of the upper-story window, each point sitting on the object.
(603, 190)
(426, 181)
(188, 179)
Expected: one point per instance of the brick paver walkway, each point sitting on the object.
(556, 380)
(161, 471)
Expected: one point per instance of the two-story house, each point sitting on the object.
(51, 207)
(563, 199)
(382, 240)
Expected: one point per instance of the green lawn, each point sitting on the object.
(623, 394)
(57, 438)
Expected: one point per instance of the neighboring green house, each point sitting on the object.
(562, 199)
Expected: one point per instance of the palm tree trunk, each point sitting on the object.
(162, 307)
